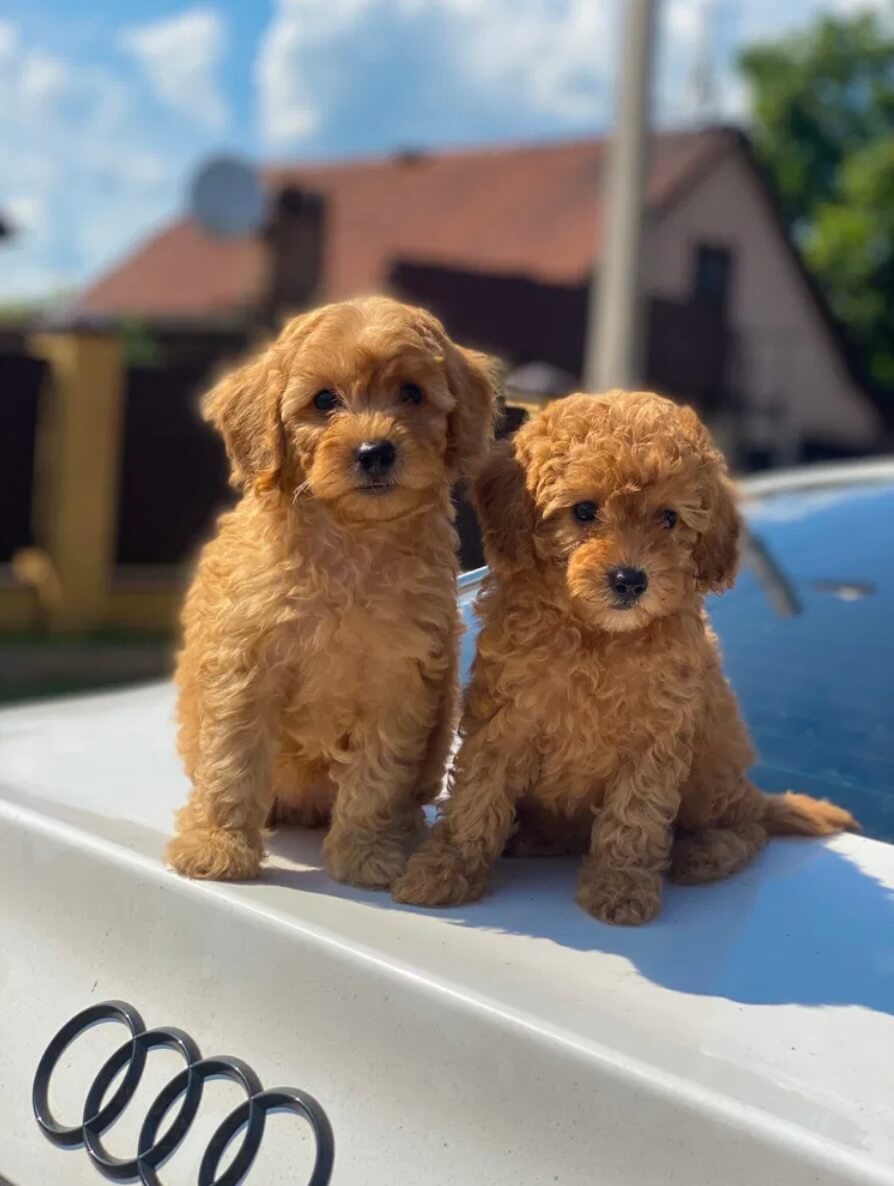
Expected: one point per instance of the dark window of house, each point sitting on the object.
(712, 275)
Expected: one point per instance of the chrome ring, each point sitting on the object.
(71, 1137)
(277, 1099)
(153, 1149)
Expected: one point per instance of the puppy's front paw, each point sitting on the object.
(619, 896)
(438, 876)
(368, 866)
(216, 854)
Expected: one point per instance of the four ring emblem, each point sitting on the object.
(102, 1109)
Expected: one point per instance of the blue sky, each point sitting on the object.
(105, 109)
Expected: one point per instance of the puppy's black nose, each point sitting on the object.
(628, 584)
(376, 457)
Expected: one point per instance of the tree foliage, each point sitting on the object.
(823, 124)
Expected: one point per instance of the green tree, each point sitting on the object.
(823, 124)
(141, 348)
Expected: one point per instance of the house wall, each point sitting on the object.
(785, 355)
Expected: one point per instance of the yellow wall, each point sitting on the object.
(154, 608)
(76, 477)
(18, 607)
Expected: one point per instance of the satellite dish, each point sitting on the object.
(226, 197)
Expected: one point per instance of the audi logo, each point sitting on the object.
(153, 1146)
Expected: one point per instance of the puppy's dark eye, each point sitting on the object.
(326, 401)
(410, 394)
(585, 511)
(669, 518)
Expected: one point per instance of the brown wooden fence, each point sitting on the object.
(173, 468)
(687, 346)
(21, 379)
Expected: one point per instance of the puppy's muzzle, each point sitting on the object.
(375, 461)
(627, 585)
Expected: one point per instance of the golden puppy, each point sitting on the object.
(321, 631)
(598, 718)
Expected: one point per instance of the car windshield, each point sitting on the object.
(811, 652)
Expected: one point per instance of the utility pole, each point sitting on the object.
(613, 331)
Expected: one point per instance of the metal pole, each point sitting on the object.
(613, 338)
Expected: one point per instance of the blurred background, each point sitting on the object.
(177, 178)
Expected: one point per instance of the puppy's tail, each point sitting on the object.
(800, 815)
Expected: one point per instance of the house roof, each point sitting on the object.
(532, 210)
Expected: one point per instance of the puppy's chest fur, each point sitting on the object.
(589, 704)
(361, 626)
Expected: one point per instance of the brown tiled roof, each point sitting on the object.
(530, 210)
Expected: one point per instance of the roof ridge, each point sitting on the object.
(482, 148)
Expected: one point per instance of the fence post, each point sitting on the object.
(77, 474)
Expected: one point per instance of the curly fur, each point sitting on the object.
(588, 727)
(318, 675)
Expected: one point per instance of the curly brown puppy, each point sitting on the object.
(598, 718)
(321, 631)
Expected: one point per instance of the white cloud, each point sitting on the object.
(547, 56)
(734, 98)
(26, 211)
(553, 61)
(682, 19)
(8, 39)
(853, 7)
(25, 280)
(299, 29)
(764, 20)
(180, 56)
(553, 58)
(43, 78)
(84, 170)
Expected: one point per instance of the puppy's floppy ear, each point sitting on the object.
(505, 508)
(473, 380)
(716, 551)
(246, 409)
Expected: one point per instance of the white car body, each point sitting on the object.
(746, 1038)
